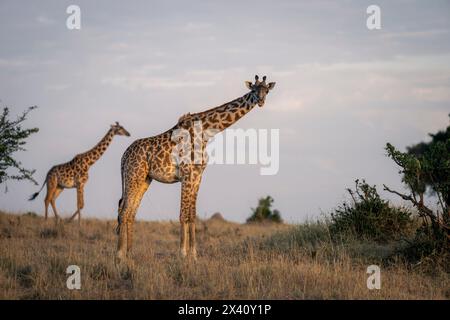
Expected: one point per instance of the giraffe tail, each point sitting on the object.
(119, 219)
(34, 195)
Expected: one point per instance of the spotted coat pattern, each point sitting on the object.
(151, 159)
(74, 174)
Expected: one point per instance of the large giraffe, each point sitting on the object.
(74, 174)
(152, 158)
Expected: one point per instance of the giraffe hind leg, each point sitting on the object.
(46, 204)
(132, 213)
(127, 211)
(53, 201)
(51, 189)
(52, 193)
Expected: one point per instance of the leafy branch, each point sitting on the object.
(12, 139)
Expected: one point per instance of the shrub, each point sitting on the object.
(48, 233)
(427, 250)
(31, 214)
(369, 216)
(263, 212)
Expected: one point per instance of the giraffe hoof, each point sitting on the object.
(120, 257)
(183, 253)
(124, 265)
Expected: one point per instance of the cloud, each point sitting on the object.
(14, 63)
(286, 103)
(373, 84)
(143, 78)
(432, 94)
(324, 164)
(195, 27)
(57, 87)
(142, 82)
(42, 19)
(26, 62)
(415, 34)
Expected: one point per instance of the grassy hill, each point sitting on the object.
(235, 261)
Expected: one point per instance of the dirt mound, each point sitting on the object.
(217, 217)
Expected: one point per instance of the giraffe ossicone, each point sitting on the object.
(151, 159)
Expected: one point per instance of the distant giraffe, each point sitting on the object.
(74, 174)
(151, 158)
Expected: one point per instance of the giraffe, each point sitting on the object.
(152, 158)
(74, 174)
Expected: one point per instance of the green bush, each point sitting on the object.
(263, 212)
(428, 250)
(368, 216)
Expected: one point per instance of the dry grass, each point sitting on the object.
(235, 262)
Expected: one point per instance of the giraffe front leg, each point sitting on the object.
(196, 180)
(184, 218)
(192, 245)
(184, 238)
(192, 216)
(80, 204)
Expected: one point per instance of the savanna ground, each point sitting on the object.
(236, 261)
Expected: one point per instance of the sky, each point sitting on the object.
(342, 91)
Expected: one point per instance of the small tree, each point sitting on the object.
(263, 212)
(437, 176)
(427, 169)
(12, 139)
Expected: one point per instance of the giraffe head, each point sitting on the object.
(260, 88)
(119, 130)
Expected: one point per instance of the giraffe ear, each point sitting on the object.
(271, 85)
(249, 84)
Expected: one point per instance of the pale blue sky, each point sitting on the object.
(342, 92)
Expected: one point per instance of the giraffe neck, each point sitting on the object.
(96, 152)
(222, 117)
